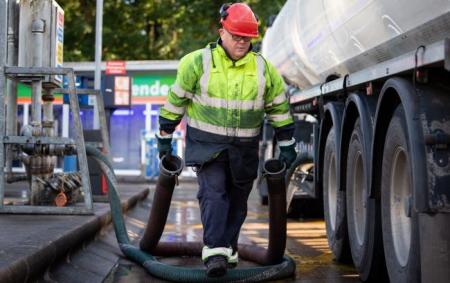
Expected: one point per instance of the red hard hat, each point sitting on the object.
(239, 19)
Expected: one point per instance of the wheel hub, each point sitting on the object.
(332, 191)
(359, 198)
(400, 194)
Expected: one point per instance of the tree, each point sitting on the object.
(146, 30)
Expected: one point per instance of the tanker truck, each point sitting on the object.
(369, 87)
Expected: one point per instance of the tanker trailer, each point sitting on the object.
(372, 77)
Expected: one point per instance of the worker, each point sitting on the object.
(224, 90)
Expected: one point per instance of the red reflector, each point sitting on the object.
(104, 185)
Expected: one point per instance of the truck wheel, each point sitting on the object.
(363, 214)
(334, 203)
(399, 221)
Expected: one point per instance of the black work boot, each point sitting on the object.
(216, 266)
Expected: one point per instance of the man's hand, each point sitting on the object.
(287, 152)
(164, 144)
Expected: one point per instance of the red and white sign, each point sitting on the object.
(115, 68)
(122, 90)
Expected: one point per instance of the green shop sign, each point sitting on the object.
(24, 94)
(152, 85)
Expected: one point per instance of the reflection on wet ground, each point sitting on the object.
(306, 242)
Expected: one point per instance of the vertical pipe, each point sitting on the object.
(103, 122)
(37, 30)
(98, 55)
(3, 25)
(11, 87)
(48, 127)
(47, 108)
(3, 32)
(26, 116)
(65, 121)
(48, 117)
(37, 35)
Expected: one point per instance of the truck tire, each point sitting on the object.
(363, 214)
(399, 221)
(334, 203)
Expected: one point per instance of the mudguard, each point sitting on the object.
(332, 116)
(428, 126)
(358, 105)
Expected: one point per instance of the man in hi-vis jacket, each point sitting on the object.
(225, 89)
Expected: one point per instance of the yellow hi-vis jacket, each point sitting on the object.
(225, 100)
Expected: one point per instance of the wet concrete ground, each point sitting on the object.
(306, 243)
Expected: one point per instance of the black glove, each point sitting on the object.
(288, 153)
(164, 145)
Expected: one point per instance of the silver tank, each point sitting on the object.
(312, 39)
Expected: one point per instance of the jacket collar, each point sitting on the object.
(223, 53)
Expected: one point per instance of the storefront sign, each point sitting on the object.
(24, 95)
(151, 88)
(115, 68)
(122, 90)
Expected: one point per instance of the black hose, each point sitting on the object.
(177, 274)
(274, 170)
(171, 167)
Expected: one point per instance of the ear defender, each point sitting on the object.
(223, 10)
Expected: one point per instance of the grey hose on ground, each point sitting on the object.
(286, 268)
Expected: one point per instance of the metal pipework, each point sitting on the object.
(11, 85)
(59, 189)
(33, 130)
(40, 163)
(3, 36)
(37, 30)
(48, 123)
(49, 149)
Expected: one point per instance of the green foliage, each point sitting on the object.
(147, 30)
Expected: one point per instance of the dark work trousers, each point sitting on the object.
(223, 203)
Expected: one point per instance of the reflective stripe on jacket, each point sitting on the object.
(225, 97)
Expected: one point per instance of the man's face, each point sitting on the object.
(236, 46)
